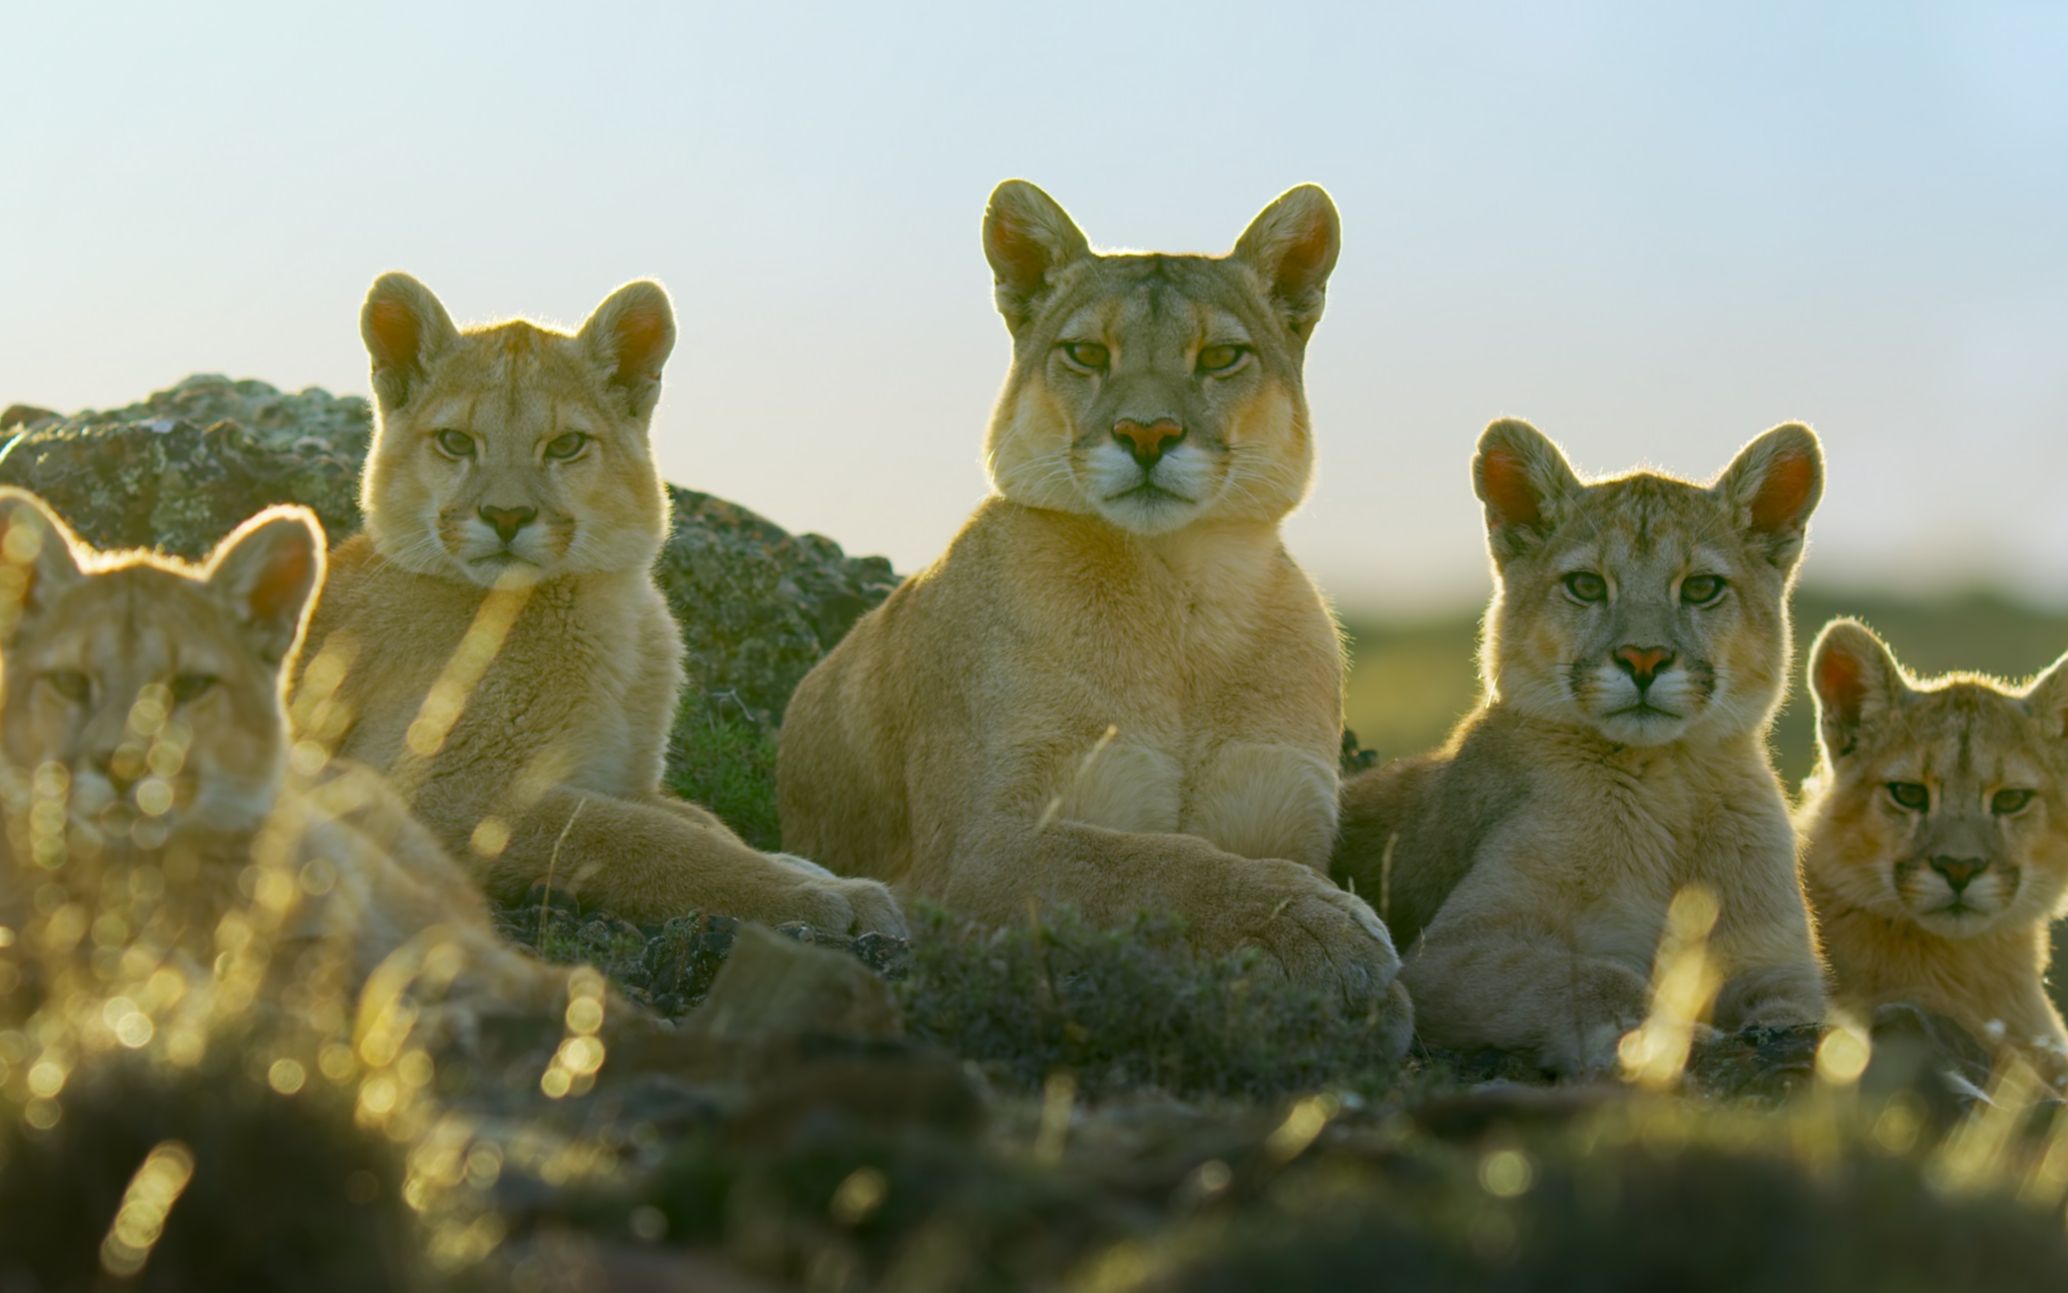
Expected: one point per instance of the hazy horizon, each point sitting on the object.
(1653, 230)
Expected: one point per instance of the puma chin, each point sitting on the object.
(1148, 500)
(482, 554)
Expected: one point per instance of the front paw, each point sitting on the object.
(1777, 997)
(1609, 1000)
(842, 905)
(1321, 935)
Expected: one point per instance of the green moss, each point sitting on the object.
(725, 760)
(1127, 1009)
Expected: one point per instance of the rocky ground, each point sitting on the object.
(1058, 1107)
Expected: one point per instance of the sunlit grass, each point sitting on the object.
(219, 1007)
(1304, 1154)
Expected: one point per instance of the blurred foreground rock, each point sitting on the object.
(758, 606)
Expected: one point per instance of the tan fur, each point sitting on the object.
(148, 783)
(521, 689)
(1119, 701)
(1869, 861)
(1529, 864)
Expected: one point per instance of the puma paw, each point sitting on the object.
(1322, 935)
(842, 905)
(1609, 1000)
(1784, 996)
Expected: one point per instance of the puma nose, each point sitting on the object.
(1643, 663)
(1958, 871)
(1147, 443)
(507, 521)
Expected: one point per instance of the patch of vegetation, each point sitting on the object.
(1128, 1009)
(1647, 1195)
(850, 1206)
(1618, 1193)
(265, 1191)
(721, 757)
(667, 967)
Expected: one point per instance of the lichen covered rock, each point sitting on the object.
(177, 471)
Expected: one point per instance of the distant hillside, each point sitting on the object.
(1410, 681)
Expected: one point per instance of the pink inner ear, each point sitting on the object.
(1019, 257)
(1305, 254)
(641, 334)
(1784, 492)
(282, 584)
(1505, 477)
(394, 327)
(1841, 683)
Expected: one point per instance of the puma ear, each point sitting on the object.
(405, 329)
(267, 572)
(1525, 482)
(2048, 697)
(1774, 484)
(1856, 682)
(1292, 244)
(631, 334)
(1028, 238)
(38, 558)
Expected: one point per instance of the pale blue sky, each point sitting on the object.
(1655, 229)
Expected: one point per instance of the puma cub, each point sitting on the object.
(1935, 831)
(147, 782)
(1635, 652)
(1115, 690)
(495, 641)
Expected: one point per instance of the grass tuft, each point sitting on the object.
(725, 760)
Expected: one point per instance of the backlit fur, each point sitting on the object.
(150, 789)
(1880, 871)
(520, 686)
(1534, 857)
(1109, 701)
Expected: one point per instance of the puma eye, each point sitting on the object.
(191, 686)
(71, 685)
(1087, 354)
(1910, 795)
(1221, 359)
(1701, 590)
(453, 444)
(2009, 803)
(561, 448)
(1586, 586)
